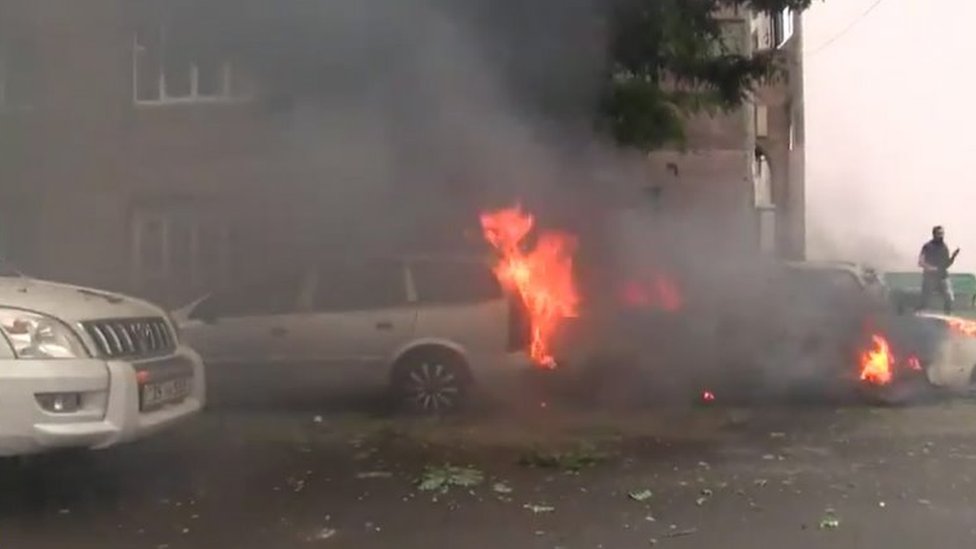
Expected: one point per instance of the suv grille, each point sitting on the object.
(130, 337)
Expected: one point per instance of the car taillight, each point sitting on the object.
(519, 325)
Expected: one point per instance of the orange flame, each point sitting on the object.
(876, 363)
(542, 277)
(962, 326)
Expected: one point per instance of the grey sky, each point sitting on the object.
(890, 128)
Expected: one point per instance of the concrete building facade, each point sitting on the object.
(744, 170)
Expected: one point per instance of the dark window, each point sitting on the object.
(272, 296)
(821, 286)
(210, 81)
(17, 72)
(454, 282)
(360, 286)
(148, 62)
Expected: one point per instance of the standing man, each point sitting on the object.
(935, 261)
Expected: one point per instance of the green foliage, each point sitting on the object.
(674, 58)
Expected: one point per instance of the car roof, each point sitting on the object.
(829, 265)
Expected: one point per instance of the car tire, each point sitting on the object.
(431, 382)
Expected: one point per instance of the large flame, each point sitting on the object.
(877, 362)
(542, 276)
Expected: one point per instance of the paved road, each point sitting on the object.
(734, 478)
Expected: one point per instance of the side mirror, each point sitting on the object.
(204, 313)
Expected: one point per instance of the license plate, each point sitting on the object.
(154, 395)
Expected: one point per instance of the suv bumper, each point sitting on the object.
(109, 411)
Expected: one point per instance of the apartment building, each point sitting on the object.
(133, 156)
(745, 169)
(137, 151)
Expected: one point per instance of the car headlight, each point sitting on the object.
(37, 336)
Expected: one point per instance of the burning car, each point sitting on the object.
(832, 326)
(84, 368)
(426, 327)
(799, 329)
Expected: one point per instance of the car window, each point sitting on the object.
(824, 282)
(451, 282)
(360, 286)
(273, 295)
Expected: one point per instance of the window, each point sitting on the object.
(454, 282)
(168, 68)
(783, 27)
(274, 295)
(16, 74)
(360, 286)
(179, 247)
(762, 179)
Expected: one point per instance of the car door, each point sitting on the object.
(249, 324)
(360, 313)
(461, 301)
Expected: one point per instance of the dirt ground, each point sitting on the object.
(267, 478)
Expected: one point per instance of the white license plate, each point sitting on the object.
(165, 392)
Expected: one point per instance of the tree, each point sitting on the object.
(669, 59)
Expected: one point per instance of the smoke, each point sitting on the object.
(403, 120)
(399, 121)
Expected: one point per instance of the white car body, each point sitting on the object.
(952, 363)
(342, 322)
(128, 351)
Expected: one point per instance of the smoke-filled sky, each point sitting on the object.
(890, 123)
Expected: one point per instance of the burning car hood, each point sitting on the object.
(70, 303)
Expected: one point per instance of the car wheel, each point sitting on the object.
(431, 382)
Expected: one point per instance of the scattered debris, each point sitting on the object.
(777, 435)
(682, 533)
(572, 461)
(317, 419)
(539, 508)
(924, 502)
(441, 479)
(501, 488)
(641, 495)
(652, 541)
(374, 474)
(703, 499)
(830, 520)
(323, 534)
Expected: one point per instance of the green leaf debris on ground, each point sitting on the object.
(641, 495)
(829, 520)
(441, 479)
(572, 461)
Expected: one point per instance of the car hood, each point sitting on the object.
(70, 303)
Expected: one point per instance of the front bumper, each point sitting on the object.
(109, 413)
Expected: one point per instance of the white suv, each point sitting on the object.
(82, 368)
(424, 326)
